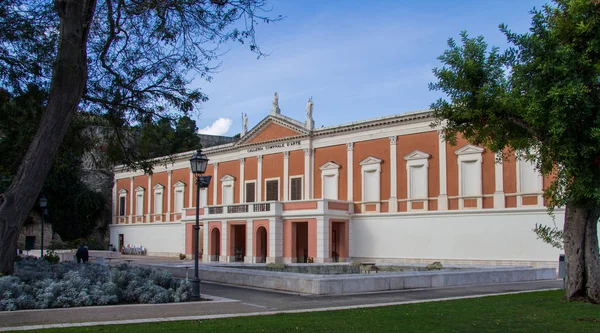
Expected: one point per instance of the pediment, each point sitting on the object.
(158, 187)
(140, 189)
(371, 160)
(179, 184)
(273, 127)
(227, 178)
(417, 155)
(469, 149)
(329, 166)
(122, 191)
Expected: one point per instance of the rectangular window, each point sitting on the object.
(178, 201)
(296, 188)
(251, 192)
(330, 190)
(158, 203)
(272, 190)
(371, 186)
(203, 197)
(529, 177)
(122, 206)
(471, 178)
(227, 195)
(418, 177)
(139, 204)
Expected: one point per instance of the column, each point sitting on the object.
(249, 242)
(224, 255)
(312, 173)
(499, 199)
(275, 240)
(192, 188)
(286, 176)
(443, 197)
(149, 194)
(307, 174)
(215, 182)
(169, 190)
(114, 202)
(393, 203)
(131, 196)
(242, 180)
(350, 165)
(323, 254)
(259, 178)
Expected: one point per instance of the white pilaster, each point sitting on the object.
(241, 184)
(312, 173)
(285, 180)
(224, 255)
(169, 191)
(499, 198)
(393, 202)
(114, 202)
(149, 194)
(443, 197)
(259, 178)
(215, 182)
(350, 166)
(322, 240)
(191, 189)
(307, 173)
(249, 242)
(131, 195)
(205, 231)
(275, 240)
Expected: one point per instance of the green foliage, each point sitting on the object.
(51, 257)
(539, 98)
(551, 235)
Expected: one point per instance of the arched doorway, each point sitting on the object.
(261, 245)
(215, 244)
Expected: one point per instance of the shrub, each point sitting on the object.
(435, 266)
(37, 284)
(181, 256)
(51, 257)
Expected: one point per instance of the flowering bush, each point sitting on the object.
(37, 284)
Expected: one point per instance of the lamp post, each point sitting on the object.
(198, 164)
(43, 205)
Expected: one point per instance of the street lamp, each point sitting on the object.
(198, 164)
(43, 205)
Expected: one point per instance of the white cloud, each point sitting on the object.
(219, 127)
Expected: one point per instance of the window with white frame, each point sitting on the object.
(227, 183)
(530, 180)
(203, 197)
(158, 198)
(469, 174)
(250, 191)
(371, 179)
(122, 202)
(330, 174)
(179, 196)
(139, 201)
(272, 186)
(417, 167)
(296, 187)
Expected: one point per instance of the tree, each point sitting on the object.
(126, 59)
(539, 98)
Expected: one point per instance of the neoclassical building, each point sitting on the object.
(387, 189)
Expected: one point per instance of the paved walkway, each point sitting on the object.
(232, 301)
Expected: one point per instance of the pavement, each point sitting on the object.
(231, 301)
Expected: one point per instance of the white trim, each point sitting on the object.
(122, 194)
(286, 166)
(307, 185)
(350, 165)
(149, 204)
(139, 193)
(393, 201)
(131, 200)
(179, 187)
(158, 189)
(301, 187)
(169, 194)
(247, 182)
(443, 197)
(371, 164)
(191, 189)
(180, 184)
(417, 159)
(278, 179)
(259, 178)
(499, 198)
(215, 186)
(470, 153)
(242, 180)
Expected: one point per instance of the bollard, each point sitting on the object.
(562, 269)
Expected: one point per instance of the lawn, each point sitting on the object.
(529, 312)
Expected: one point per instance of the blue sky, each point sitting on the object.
(357, 59)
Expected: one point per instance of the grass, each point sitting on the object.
(529, 312)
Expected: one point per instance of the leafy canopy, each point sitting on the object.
(540, 97)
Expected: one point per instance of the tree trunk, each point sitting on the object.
(581, 253)
(68, 84)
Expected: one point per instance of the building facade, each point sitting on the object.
(387, 189)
